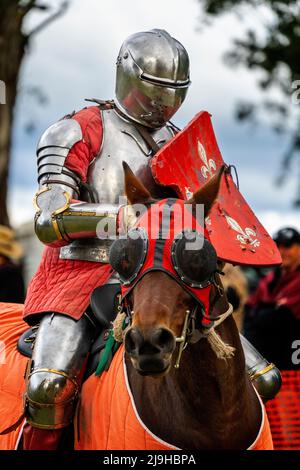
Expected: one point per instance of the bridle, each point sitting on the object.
(193, 335)
(194, 269)
(190, 334)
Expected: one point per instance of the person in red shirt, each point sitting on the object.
(272, 316)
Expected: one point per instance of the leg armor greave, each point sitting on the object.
(53, 383)
(265, 376)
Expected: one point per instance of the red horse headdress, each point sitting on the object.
(169, 238)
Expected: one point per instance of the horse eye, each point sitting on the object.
(127, 255)
(194, 259)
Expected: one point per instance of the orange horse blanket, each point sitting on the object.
(116, 425)
(106, 416)
(12, 370)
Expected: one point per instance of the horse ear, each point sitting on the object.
(135, 191)
(208, 194)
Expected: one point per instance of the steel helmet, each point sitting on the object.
(152, 77)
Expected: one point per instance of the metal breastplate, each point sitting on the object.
(121, 142)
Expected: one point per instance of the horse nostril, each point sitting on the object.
(133, 340)
(163, 339)
(157, 341)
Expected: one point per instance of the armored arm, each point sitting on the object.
(265, 376)
(58, 221)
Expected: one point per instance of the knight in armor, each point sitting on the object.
(80, 178)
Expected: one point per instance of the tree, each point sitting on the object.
(14, 44)
(274, 51)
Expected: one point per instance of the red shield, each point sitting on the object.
(186, 163)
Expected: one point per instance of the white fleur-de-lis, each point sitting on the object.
(246, 236)
(209, 166)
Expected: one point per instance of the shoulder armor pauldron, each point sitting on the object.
(54, 146)
(62, 134)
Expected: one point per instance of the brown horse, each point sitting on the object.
(206, 403)
(143, 401)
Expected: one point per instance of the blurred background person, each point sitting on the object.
(11, 279)
(272, 313)
(237, 291)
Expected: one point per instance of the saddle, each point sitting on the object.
(104, 306)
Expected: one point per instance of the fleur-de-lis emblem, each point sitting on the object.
(209, 166)
(246, 236)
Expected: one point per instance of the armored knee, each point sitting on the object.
(265, 377)
(50, 398)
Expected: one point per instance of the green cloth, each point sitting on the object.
(111, 347)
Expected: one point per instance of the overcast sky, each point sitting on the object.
(74, 58)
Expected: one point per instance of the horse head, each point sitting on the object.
(169, 274)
